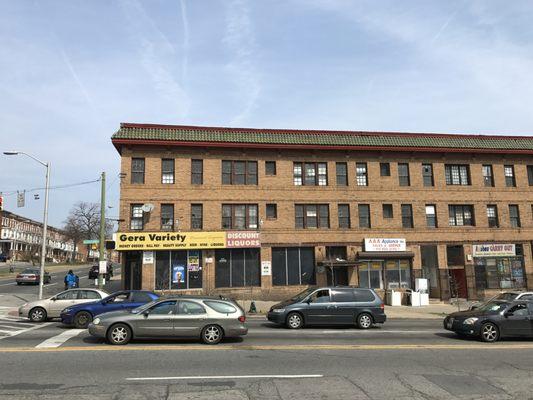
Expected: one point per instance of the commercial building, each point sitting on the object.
(263, 213)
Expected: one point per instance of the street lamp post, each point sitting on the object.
(45, 218)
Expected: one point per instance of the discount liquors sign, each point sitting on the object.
(385, 244)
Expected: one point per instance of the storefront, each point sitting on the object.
(499, 266)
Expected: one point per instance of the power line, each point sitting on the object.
(13, 192)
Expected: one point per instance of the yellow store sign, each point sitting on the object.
(169, 240)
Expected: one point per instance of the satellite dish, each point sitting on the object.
(147, 207)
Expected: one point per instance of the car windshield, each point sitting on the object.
(507, 296)
(303, 295)
(30, 271)
(492, 306)
(140, 309)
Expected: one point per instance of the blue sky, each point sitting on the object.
(71, 71)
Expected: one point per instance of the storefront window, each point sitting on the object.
(293, 266)
(390, 274)
(237, 268)
(177, 270)
(499, 272)
(370, 274)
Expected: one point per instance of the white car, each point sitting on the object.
(508, 296)
(42, 310)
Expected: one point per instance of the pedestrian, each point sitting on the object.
(71, 280)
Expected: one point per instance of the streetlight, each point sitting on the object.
(45, 218)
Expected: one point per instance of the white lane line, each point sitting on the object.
(331, 332)
(7, 284)
(58, 340)
(26, 330)
(181, 378)
(11, 325)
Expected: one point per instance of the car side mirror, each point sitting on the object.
(146, 313)
(53, 299)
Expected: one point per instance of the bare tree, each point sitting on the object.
(83, 222)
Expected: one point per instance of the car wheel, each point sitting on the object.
(489, 332)
(82, 319)
(37, 314)
(119, 334)
(212, 334)
(364, 321)
(295, 321)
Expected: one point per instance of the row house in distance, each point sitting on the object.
(266, 213)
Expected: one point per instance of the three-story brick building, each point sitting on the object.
(263, 213)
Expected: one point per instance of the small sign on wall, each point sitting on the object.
(208, 260)
(266, 268)
(148, 257)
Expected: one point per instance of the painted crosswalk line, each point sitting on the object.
(58, 340)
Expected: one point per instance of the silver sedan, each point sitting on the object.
(209, 318)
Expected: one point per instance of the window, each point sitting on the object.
(364, 215)
(344, 216)
(220, 307)
(455, 255)
(310, 174)
(197, 172)
(272, 211)
(387, 211)
(488, 177)
(457, 174)
(237, 268)
(342, 174)
(397, 274)
(492, 216)
(136, 219)
(270, 168)
(371, 274)
(311, 216)
(178, 269)
(500, 273)
(431, 216)
(239, 216)
(239, 172)
(514, 216)
(167, 170)
(140, 297)
(461, 215)
(190, 308)
(89, 294)
(137, 170)
(293, 266)
(68, 295)
(530, 174)
(361, 174)
(509, 176)
(197, 216)
(164, 308)
(403, 174)
(320, 296)
(343, 296)
(427, 174)
(407, 216)
(167, 217)
(384, 169)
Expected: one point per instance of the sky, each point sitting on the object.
(72, 70)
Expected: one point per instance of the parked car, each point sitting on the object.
(93, 273)
(209, 318)
(508, 296)
(32, 275)
(42, 310)
(81, 315)
(330, 306)
(4, 257)
(493, 320)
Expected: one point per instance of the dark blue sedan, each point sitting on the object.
(81, 315)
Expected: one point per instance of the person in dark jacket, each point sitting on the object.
(71, 280)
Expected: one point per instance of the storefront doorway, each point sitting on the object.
(337, 276)
(458, 286)
(133, 270)
(430, 269)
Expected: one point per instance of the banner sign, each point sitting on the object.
(493, 250)
(185, 240)
(385, 244)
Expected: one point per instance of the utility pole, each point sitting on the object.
(102, 263)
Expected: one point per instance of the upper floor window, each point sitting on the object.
(514, 215)
(403, 174)
(136, 217)
(197, 216)
(364, 215)
(344, 216)
(509, 175)
(492, 216)
(384, 169)
(361, 174)
(530, 174)
(197, 172)
(167, 217)
(239, 216)
(427, 174)
(387, 211)
(272, 211)
(239, 172)
(457, 174)
(270, 168)
(312, 174)
(461, 215)
(311, 215)
(167, 170)
(431, 216)
(342, 173)
(488, 176)
(407, 215)
(137, 170)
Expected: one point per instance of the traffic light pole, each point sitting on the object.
(102, 263)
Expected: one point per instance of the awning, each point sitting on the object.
(366, 255)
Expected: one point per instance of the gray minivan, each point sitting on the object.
(338, 305)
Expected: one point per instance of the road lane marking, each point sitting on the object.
(355, 331)
(58, 340)
(15, 333)
(7, 284)
(182, 378)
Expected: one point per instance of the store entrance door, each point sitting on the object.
(458, 283)
(337, 276)
(133, 270)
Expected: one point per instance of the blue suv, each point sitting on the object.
(81, 315)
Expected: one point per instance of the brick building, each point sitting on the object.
(263, 213)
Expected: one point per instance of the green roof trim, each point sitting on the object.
(173, 133)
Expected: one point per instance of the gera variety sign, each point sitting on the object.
(185, 240)
(493, 250)
(384, 244)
